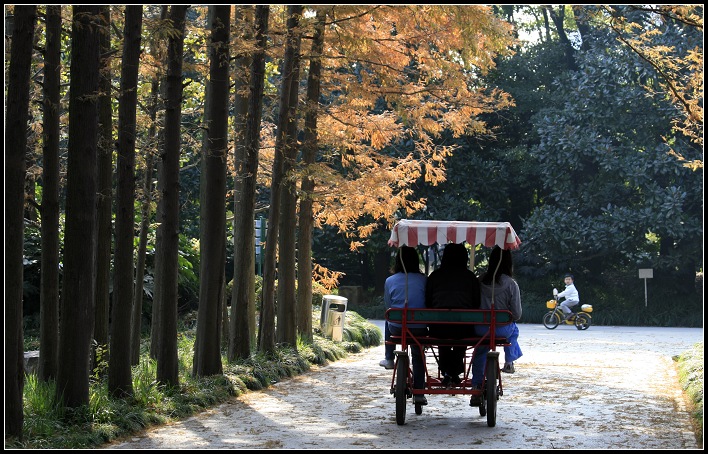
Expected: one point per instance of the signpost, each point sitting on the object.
(646, 273)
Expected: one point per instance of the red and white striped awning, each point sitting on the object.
(409, 232)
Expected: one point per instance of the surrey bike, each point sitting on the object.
(427, 233)
(582, 320)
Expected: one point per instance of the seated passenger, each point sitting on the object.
(452, 286)
(506, 297)
(407, 274)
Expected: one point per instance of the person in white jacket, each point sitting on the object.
(571, 295)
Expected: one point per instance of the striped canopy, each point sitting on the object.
(421, 232)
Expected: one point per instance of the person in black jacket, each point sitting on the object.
(452, 286)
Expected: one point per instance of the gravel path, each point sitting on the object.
(603, 388)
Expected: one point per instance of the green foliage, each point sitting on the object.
(359, 331)
(188, 279)
(258, 288)
(48, 425)
(613, 191)
(690, 371)
(374, 309)
(45, 410)
(583, 168)
(32, 271)
(100, 368)
(318, 291)
(144, 383)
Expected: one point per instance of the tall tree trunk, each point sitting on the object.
(558, 19)
(77, 299)
(49, 292)
(224, 341)
(242, 301)
(151, 150)
(266, 335)
(155, 322)
(105, 193)
(15, 147)
(580, 12)
(207, 354)
(167, 248)
(203, 180)
(136, 318)
(307, 186)
(287, 314)
(120, 383)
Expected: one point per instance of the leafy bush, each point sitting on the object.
(690, 369)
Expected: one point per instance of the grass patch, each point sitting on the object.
(690, 372)
(48, 425)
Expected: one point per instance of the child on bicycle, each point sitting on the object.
(571, 295)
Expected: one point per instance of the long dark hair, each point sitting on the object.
(454, 256)
(407, 256)
(505, 267)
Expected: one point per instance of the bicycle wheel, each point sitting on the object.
(490, 388)
(401, 389)
(582, 321)
(551, 320)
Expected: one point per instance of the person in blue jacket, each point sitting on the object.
(407, 286)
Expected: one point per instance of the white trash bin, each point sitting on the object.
(334, 308)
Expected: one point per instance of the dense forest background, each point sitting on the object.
(143, 142)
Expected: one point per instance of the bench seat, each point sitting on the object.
(450, 316)
(467, 317)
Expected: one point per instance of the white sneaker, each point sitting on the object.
(386, 363)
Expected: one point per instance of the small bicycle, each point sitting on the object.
(582, 320)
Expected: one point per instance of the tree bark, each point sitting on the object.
(155, 322)
(120, 383)
(167, 247)
(136, 318)
(207, 354)
(266, 335)
(287, 302)
(152, 147)
(105, 194)
(307, 186)
(558, 19)
(15, 145)
(78, 295)
(250, 71)
(49, 292)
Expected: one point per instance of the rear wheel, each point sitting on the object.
(490, 389)
(551, 320)
(582, 321)
(401, 388)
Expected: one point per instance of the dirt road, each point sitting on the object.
(603, 388)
